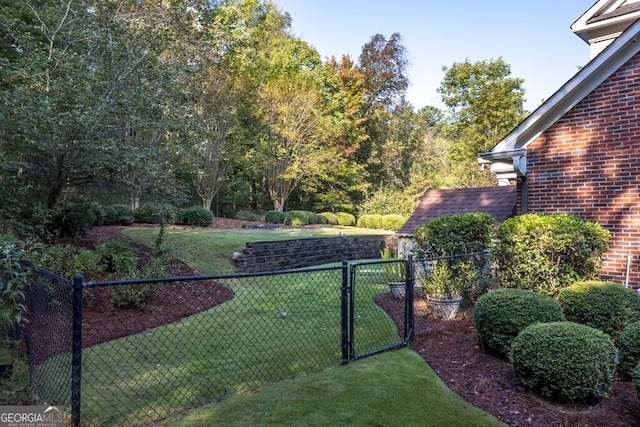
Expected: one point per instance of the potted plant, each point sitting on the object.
(444, 282)
(396, 272)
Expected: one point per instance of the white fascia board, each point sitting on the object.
(600, 7)
(574, 91)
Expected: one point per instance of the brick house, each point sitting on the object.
(579, 152)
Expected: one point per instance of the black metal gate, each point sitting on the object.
(368, 285)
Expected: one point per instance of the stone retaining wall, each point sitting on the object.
(307, 252)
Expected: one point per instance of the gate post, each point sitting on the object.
(76, 350)
(410, 282)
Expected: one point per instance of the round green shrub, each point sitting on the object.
(296, 218)
(602, 305)
(311, 217)
(274, 217)
(75, 218)
(635, 376)
(370, 221)
(113, 214)
(320, 219)
(196, 216)
(545, 253)
(346, 219)
(454, 235)
(393, 222)
(565, 361)
(629, 346)
(145, 215)
(502, 314)
(331, 218)
(98, 210)
(156, 213)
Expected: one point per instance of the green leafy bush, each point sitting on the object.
(274, 217)
(13, 280)
(454, 235)
(75, 218)
(346, 219)
(629, 346)
(114, 214)
(545, 253)
(196, 216)
(565, 361)
(370, 221)
(156, 213)
(118, 257)
(296, 218)
(393, 222)
(502, 314)
(321, 219)
(602, 305)
(146, 215)
(331, 218)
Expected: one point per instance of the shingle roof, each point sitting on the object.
(499, 202)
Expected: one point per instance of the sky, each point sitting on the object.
(533, 36)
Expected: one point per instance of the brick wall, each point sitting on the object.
(588, 164)
(298, 253)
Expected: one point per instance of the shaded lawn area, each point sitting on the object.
(391, 389)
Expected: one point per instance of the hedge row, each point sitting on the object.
(76, 217)
(299, 218)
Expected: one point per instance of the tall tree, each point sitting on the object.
(383, 63)
(485, 102)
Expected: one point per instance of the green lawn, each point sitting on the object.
(211, 250)
(390, 389)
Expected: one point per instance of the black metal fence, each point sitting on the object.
(199, 339)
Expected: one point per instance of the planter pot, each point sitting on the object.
(398, 289)
(443, 307)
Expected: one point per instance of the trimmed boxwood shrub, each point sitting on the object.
(629, 346)
(370, 221)
(321, 219)
(502, 314)
(602, 305)
(565, 361)
(274, 217)
(393, 221)
(296, 218)
(346, 219)
(545, 253)
(454, 235)
(331, 218)
(196, 216)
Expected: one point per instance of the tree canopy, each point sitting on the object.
(218, 104)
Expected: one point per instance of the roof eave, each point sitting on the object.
(572, 92)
